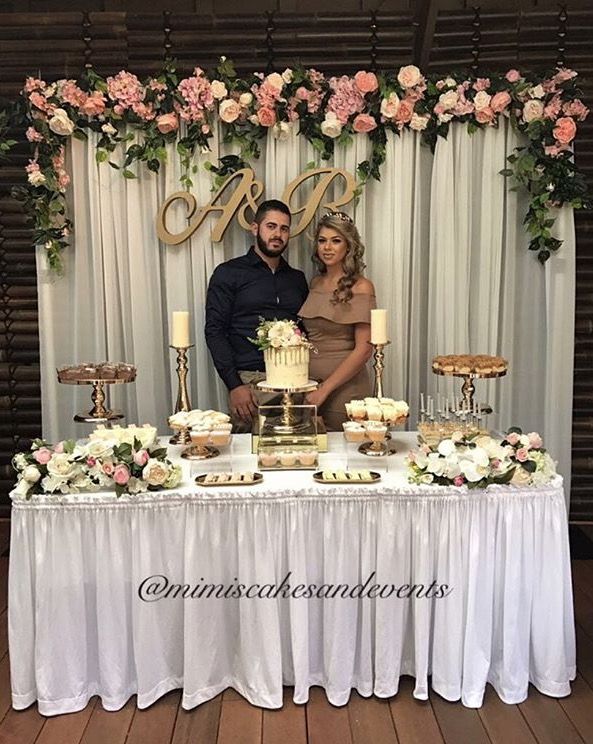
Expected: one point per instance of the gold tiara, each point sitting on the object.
(342, 216)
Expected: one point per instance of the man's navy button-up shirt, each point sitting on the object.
(240, 292)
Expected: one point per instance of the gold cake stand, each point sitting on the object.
(468, 388)
(99, 413)
(288, 419)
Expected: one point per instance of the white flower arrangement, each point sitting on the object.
(478, 461)
(278, 334)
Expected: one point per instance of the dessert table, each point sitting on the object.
(291, 582)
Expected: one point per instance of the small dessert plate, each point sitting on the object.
(200, 480)
(351, 477)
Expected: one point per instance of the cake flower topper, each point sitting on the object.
(279, 334)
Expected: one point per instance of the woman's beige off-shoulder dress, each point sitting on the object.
(330, 328)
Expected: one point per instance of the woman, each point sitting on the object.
(337, 316)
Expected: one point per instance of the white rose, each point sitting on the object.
(390, 106)
(219, 89)
(533, 109)
(409, 76)
(275, 80)
(276, 343)
(61, 467)
(330, 126)
(60, 123)
(36, 178)
(19, 461)
(108, 128)
(281, 130)
(419, 123)
(524, 440)
(100, 448)
(135, 485)
(253, 119)
(245, 99)
(287, 75)
(538, 92)
(155, 472)
(174, 477)
(21, 489)
(450, 82)
(444, 118)
(449, 99)
(482, 100)
(229, 110)
(31, 474)
(520, 477)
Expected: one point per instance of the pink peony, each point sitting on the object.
(535, 440)
(500, 101)
(513, 438)
(485, 115)
(513, 76)
(167, 123)
(366, 82)
(42, 455)
(266, 117)
(141, 457)
(522, 454)
(364, 123)
(121, 475)
(565, 130)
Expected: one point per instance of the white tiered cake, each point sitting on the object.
(287, 367)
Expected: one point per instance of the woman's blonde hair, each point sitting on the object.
(352, 262)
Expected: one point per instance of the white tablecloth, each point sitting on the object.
(85, 619)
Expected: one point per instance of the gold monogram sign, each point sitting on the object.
(244, 195)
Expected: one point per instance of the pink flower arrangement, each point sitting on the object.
(346, 99)
(196, 93)
(125, 90)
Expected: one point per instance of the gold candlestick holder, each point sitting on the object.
(182, 404)
(378, 366)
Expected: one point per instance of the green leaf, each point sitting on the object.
(101, 156)
(514, 430)
(79, 134)
(529, 466)
(128, 174)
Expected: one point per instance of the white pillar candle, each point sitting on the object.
(180, 329)
(379, 326)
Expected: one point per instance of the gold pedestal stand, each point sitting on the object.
(288, 419)
(182, 404)
(378, 449)
(468, 388)
(200, 452)
(99, 413)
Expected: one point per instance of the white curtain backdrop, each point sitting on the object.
(446, 250)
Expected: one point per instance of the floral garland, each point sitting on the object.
(103, 462)
(328, 111)
(479, 460)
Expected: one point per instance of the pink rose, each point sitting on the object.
(302, 93)
(513, 76)
(121, 475)
(481, 84)
(535, 440)
(513, 438)
(266, 117)
(409, 76)
(496, 464)
(108, 468)
(59, 448)
(366, 82)
(565, 130)
(364, 123)
(167, 123)
(141, 457)
(94, 105)
(91, 462)
(485, 115)
(522, 454)
(458, 480)
(405, 112)
(42, 455)
(500, 101)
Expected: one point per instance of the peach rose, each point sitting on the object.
(94, 105)
(364, 123)
(389, 106)
(482, 100)
(218, 89)
(229, 110)
(167, 123)
(405, 112)
(513, 76)
(500, 101)
(532, 110)
(485, 115)
(266, 116)
(276, 81)
(565, 130)
(409, 76)
(366, 82)
(418, 122)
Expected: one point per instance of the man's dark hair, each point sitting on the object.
(268, 206)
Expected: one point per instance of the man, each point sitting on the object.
(258, 284)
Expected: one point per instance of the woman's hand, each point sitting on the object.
(317, 397)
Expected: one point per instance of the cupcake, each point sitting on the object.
(220, 438)
(199, 437)
(375, 431)
(353, 431)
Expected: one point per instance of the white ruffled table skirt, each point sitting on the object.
(85, 619)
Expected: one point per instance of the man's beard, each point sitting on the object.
(270, 252)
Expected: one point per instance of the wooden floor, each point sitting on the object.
(228, 719)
